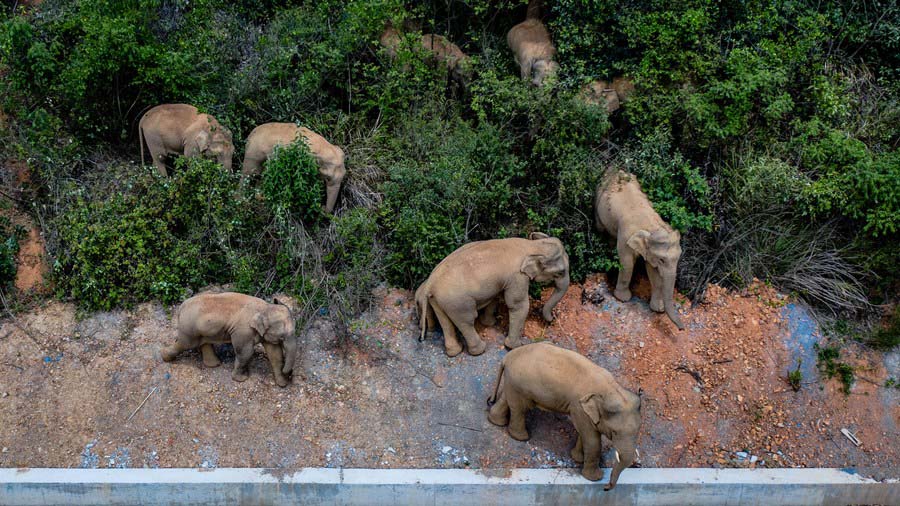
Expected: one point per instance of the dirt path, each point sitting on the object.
(382, 399)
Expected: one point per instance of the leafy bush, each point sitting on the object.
(158, 240)
(9, 248)
(291, 182)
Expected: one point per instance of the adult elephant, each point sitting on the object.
(180, 129)
(241, 320)
(472, 277)
(330, 158)
(623, 210)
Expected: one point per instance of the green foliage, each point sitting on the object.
(9, 248)
(156, 241)
(765, 132)
(451, 183)
(291, 183)
(830, 364)
(887, 337)
(795, 377)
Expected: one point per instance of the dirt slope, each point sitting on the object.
(69, 387)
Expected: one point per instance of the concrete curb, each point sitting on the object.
(313, 486)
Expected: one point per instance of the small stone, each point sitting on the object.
(446, 449)
(741, 455)
(641, 344)
(753, 459)
(5, 449)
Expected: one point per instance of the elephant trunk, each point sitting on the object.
(225, 160)
(290, 354)
(625, 453)
(562, 284)
(331, 194)
(669, 300)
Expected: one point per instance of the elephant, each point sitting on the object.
(611, 94)
(179, 129)
(472, 277)
(533, 51)
(440, 50)
(243, 320)
(623, 210)
(330, 158)
(555, 379)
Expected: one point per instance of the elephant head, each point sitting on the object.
(211, 140)
(333, 171)
(275, 325)
(616, 413)
(546, 262)
(543, 71)
(662, 250)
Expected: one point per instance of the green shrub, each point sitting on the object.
(832, 367)
(158, 240)
(9, 249)
(291, 183)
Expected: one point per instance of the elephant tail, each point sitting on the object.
(422, 305)
(141, 140)
(493, 398)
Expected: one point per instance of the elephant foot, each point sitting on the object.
(281, 381)
(167, 355)
(592, 473)
(547, 314)
(577, 456)
(453, 349)
(657, 305)
(240, 376)
(622, 295)
(513, 343)
(477, 348)
(500, 420)
(211, 362)
(488, 321)
(518, 435)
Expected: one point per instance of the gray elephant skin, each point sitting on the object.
(242, 320)
(551, 378)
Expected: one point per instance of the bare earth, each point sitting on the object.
(382, 399)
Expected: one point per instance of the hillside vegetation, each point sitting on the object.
(766, 132)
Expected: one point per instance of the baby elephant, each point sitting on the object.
(243, 320)
(623, 210)
(555, 379)
(472, 277)
(330, 158)
(180, 129)
(533, 51)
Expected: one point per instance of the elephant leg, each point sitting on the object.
(499, 413)
(626, 259)
(463, 313)
(209, 355)
(242, 356)
(159, 160)
(451, 343)
(656, 293)
(517, 409)
(183, 342)
(578, 451)
(516, 298)
(251, 166)
(488, 318)
(429, 319)
(276, 358)
(591, 449)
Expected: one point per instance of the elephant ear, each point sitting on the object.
(638, 242)
(531, 266)
(260, 323)
(591, 406)
(537, 235)
(202, 140)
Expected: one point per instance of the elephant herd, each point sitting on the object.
(473, 279)
(466, 285)
(180, 129)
